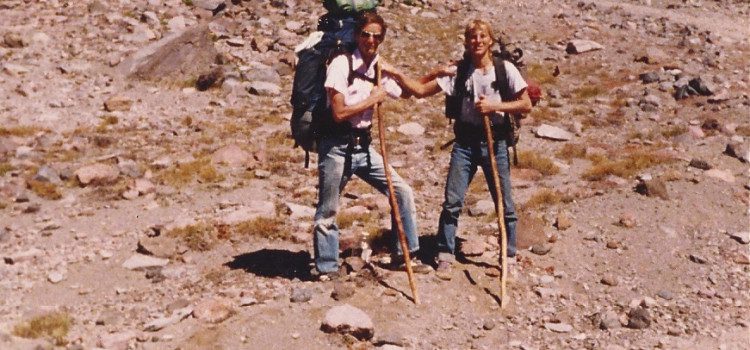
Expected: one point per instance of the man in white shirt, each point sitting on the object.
(344, 148)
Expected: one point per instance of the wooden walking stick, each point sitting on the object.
(392, 197)
(499, 210)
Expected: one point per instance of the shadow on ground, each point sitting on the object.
(274, 263)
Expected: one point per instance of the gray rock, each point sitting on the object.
(20, 257)
(342, 291)
(347, 319)
(251, 211)
(610, 281)
(541, 249)
(262, 88)
(558, 327)
(163, 322)
(117, 340)
(97, 174)
(553, 133)
(639, 318)
(176, 58)
(482, 207)
(741, 237)
(650, 77)
(213, 310)
(723, 175)
(140, 261)
(665, 294)
(609, 320)
(47, 174)
(233, 156)
(297, 211)
(700, 164)
(118, 103)
(55, 277)
(159, 246)
(473, 247)
(207, 4)
(411, 129)
(653, 188)
(260, 72)
(301, 295)
(578, 46)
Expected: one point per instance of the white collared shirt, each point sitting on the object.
(337, 78)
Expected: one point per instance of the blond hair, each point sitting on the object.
(478, 25)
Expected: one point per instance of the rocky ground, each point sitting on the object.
(150, 197)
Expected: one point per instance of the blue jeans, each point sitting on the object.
(465, 158)
(334, 171)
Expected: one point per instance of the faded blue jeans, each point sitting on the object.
(465, 158)
(334, 171)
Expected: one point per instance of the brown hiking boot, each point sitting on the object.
(444, 270)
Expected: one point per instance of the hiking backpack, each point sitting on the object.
(454, 102)
(347, 7)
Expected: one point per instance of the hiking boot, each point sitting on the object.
(325, 276)
(444, 270)
(397, 264)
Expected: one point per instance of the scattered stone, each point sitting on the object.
(627, 220)
(553, 133)
(653, 188)
(176, 58)
(558, 327)
(473, 247)
(665, 294)
(741, 237)
(248, 301)
(251, 211)
(232, 155)
(541, 249)
(342, 291)
(355, 263)
(20, 257)
(611, 281)
(55, 277)
(163, 322)
(118, 103)
(119, 340)
(482, 207)
(347, 319)
(563, 222)
(639, 318)
(609, 320)
(301, 295)
(213, 310)
(580, 46)
(97, 174)
(47, 174)
(488, 325)
(723, 175)
(700, 164)
(411, 129)
(262, 88)
(297, 211)
(140, 261)
(159, 246)
(738, 150)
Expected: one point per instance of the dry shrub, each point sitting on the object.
(199, 237)
(587, 91)
(272, 228)
(625, 168)
(347, 219)
(44, 189)
(20, 131)
(544, 198)
(532, 160)
(182, 174)
(542, 74)
(545, 114)
(674, 130)
(571, 150)
(743, 130)
(53, 326)
(5, 167)
(106, 121)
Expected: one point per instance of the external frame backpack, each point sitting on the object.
(345, 7)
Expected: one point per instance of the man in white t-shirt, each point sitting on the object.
(477, 96)
(344, 148)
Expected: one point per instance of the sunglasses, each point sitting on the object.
(367, 35)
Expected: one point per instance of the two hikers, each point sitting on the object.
(344, 148)
(477, 94)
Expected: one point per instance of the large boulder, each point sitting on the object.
(176, 58)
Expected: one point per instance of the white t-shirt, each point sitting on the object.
(480, 84)
(337, 79)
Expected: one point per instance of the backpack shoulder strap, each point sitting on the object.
(354, 74)
(501, 80)
(462, 74)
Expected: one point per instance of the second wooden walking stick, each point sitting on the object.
(392, 197)
(499, 210)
